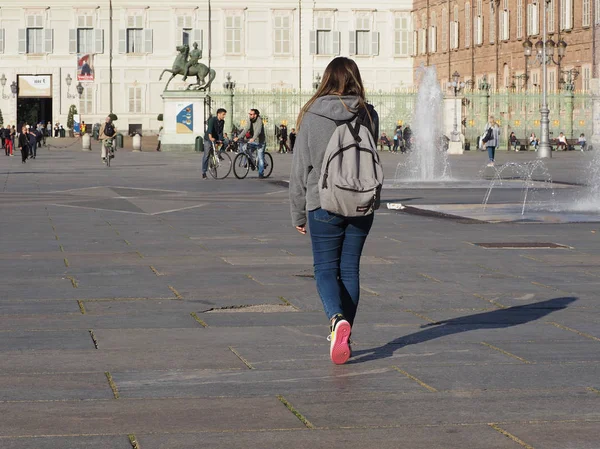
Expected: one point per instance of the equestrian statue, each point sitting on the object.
(187, 64)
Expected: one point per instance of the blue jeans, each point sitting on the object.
(337, 244)
(491, 153)
(260, 155)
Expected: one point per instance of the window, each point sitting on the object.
(533, 22)
(423, 34)
(85, 40)
(184, 27)
(552, 80)
(566, 14)
(415, 43)
(135, 41)
(535, 79)
(492, 81)
(551, 15)
(586, 76)
(586, 12)
(360, 40)
(519, 19)
(480, 8)
(433, 33)
(35, 40)
(135, 38)
(479, 30)
(467, 24)
(324, 40)
(86, 104)
(445, 29)
(596, 11)
(135, 99)
(233, 34)
(2, 34)
(283, 32)
(492, 23)
(401, 35)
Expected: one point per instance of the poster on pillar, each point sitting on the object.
(185, 118)
(85, 67)
(76, 124)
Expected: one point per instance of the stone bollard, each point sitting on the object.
(137, 142)
(86, 143)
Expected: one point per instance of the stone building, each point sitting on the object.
(485, 38)
(49, 47)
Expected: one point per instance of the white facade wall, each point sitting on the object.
(256, 66)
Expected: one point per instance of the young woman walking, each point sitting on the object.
(337, 241)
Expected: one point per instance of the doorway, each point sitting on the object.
(34, 110)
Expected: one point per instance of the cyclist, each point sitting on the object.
(213, 135)
(107, 133)
(255, 132)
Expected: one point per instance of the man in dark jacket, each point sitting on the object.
(33, 141)
(283, 136)
(213, 135)
(23, 144)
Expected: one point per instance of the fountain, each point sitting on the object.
(427, 162)
(590, 200)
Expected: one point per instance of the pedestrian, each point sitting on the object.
(9, 141)
(108, 130)
(160, 134)
(533, 141)
(254, 131)
(407, 137)
(513, 141)
(33, 143)
(292, 139)
(337, 241)
(61, 131)
(49, 129)
(582, 142)
(398, 139)
(212, 136)
(24, 144)
(491, 139)
(83, 128)
(385, 141)
(562, 142)
(283, 136)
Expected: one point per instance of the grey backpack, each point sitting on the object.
(351, 175)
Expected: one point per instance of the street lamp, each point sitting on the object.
(229, 85)
(569, 83)
(69, 80)
(457, 86)
(544, 55)
(520, 81)
(317, 81)
(79, 89)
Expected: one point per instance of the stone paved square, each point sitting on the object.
(142, 301)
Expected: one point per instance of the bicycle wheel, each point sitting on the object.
(219, 165)
(241, 166)
(108, 157)
(268, 165)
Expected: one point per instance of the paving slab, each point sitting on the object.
(353, 438)
(75, 442)
(125, 416)
(254, 382)
(461, 407)
(39, 340)
(576, 435)
(148, 358)
(54, 387)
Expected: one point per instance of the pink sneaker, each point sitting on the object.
(339, 350)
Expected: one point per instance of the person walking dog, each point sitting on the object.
(335, 122)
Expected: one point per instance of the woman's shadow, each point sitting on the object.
(503, 318)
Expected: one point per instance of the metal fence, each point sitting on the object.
(518, 112)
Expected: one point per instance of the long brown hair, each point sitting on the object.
(341, 77)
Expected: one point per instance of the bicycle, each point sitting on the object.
(219, 162)
(246, 160)
(110, 151)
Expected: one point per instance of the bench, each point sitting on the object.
(523, 145)
(571, 144)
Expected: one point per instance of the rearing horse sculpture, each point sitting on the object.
(199, 70)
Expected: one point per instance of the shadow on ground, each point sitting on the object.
(497, 319)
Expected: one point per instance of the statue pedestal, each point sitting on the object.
(183, 119)
(455, 148)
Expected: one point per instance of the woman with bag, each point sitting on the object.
(24, 144)
(337, 241)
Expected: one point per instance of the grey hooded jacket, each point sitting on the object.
(314, 133)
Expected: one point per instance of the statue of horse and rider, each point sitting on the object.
(187, 64)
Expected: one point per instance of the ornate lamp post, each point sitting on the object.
(316, 82)
(3, 81)
(457, 86)
(229, 87)
(568, 87)
(14, 88)
(544, 55)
